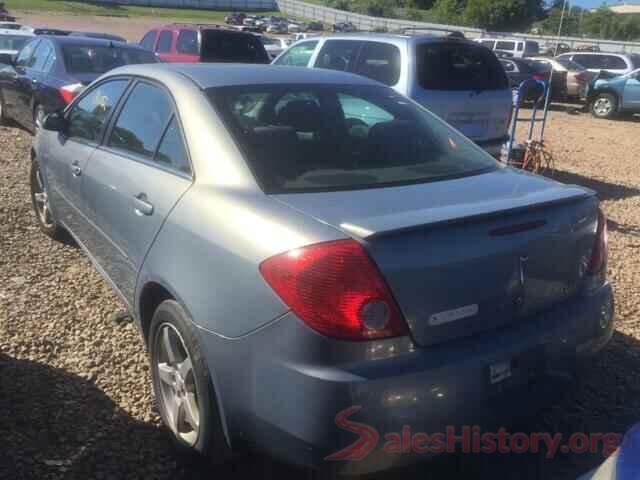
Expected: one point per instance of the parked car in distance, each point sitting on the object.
(315, 26)
(11, 26)
(613, 63)
(11, 41)
(521, 69)
(296, 27)
(274, 45)
(234, 18)
(187, 43)
(553, 49)
(103, 36)
(389, 262)
(514, 48)
(457, 79)
(610, 97)
(278, 27)
(49, 72)
(50, 31)
(587, 48)
(344, 27)
(578, 78)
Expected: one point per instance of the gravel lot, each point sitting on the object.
(75, 395)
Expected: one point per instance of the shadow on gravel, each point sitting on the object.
(605, 190)
(57, 425)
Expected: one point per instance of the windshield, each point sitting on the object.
(13, 42)
(100, 59)
(300, 138)
(458, 66)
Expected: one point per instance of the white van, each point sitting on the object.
(513, 48)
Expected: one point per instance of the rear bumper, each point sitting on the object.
(282, 387)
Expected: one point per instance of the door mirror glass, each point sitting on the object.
(55, 122)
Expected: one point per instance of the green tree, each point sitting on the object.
(448, 11)
(502, 15)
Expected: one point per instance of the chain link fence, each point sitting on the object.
(240, 5)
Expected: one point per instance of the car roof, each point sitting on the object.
(89, 41)
(594, 53)
(23, 33)
(210, 75)
(395, 37)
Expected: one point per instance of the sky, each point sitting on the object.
(597, 3)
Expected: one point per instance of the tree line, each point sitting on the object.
(535, 16)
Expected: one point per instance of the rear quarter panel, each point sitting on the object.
(209, 251)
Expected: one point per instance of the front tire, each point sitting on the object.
(183, 387)
(604, 105)
(41, 206)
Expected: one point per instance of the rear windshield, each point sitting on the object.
(232, 47)
(100, 59)
(569, 65)
(302, 138)
(13, 42)
(459, 66)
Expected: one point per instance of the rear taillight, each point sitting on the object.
(580, 77)
(598, 261)
(543, 77)
(69, 92)
(336, 289)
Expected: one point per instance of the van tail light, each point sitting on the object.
(69, 92)
(598, 262)
(336, 289)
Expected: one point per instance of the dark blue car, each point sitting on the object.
(49, 71)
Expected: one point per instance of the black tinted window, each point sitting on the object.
(149, 40)
(89, 116)
(338, 55)
(187, 42)
(171, 151)
(164, 42)
(505, 45)
(611, 61)
(455, 66)
(142, 120)
(380, 62)
(101, 59)
(232, 47)
(315, 137)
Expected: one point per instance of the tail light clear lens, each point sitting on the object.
(598, 261)
(69, 92)
(336, 289)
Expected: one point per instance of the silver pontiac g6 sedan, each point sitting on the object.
(310, 255)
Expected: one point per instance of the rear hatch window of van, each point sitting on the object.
(232, 47)
(458, 66)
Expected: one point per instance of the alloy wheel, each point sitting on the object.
(177, 384)
(602, 106)
(41, 201)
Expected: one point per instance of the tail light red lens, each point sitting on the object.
(541, 77)
(336, 289)
(598, 261)
(69, 92)
(580, 77)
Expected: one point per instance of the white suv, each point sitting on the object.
(615, 63)
(457, 79)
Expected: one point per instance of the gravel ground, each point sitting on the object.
(75, 394)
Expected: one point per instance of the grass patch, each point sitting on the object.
(71, 7)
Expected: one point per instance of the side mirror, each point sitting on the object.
(7, 59)
(55, 122)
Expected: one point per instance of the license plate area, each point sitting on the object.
(519, 370)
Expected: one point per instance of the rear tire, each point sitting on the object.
(604, 105)
(41, 206)
(183, 388)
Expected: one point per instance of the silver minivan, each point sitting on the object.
(457, 79)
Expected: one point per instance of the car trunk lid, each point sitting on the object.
(468, 255)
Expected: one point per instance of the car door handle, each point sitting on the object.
(142, 205)
(76, 171)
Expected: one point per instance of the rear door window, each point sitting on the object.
(89, 116)
(172, 152)
(149, 40)
(380, 62)
(339, 55)
(164, 42)
(298, 55)
(187, 42)
(458, 66)
(41, 55)
(232, 47)
(614, 62)
(139, 128)
(588, 61)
